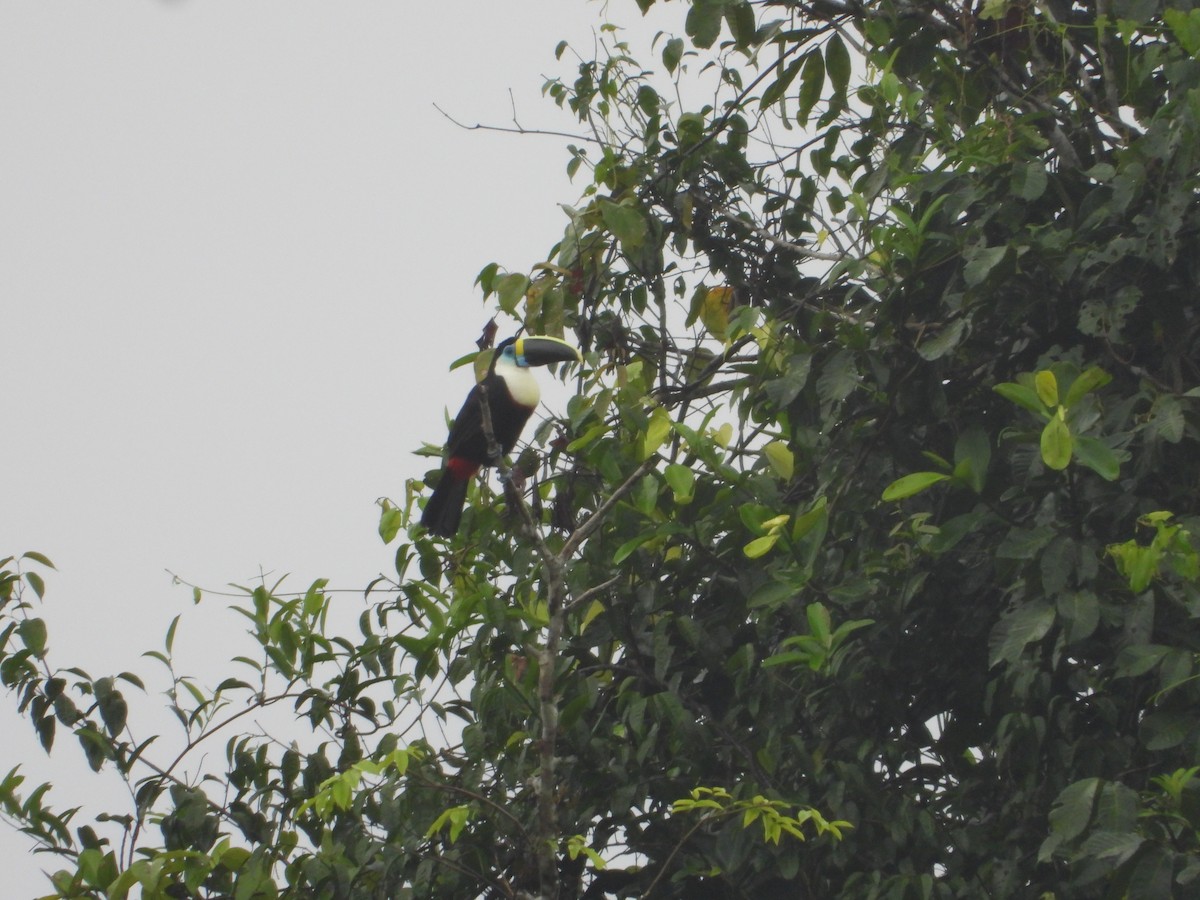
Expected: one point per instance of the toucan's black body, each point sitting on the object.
(512, 395)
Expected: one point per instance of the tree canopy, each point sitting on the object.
(863, 561)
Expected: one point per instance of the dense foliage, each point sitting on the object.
(863, 563)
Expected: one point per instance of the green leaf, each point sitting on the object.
(1088, 380)
(35, 581)
(390, 521)
(739, 16)
(837, 63)
(1186, 28)
(681, 480)
(455, 818)
(781, 459)
(1167, 420)
(38, 558)
(672, 54)
(1080, 613)
(1029, 181)
(974, 448)
(1029, 622)
(624, 221)
(1138, 564)
(993, 9)
(510, 291)
(819, 622)
(812, 81)
(839, 377)
(760, 546)
(805, 523)
(1162, 730)
(980, 263)
(1153, 875)
(1056, 444)
(1096, 455)
(647, 101)
(657, 430)
(1022, 396)
(953, 530)
(703, 23)
(33, 635)
(626, 549)
(943, 342)
(113, 709)
(912, 484)
(777, 88)
(774, 594)
(783, 390)
(1070, 816)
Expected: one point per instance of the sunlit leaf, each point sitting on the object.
(657, 431)
(1046, 386)
(1056, 443)
(780, 458)
(681, 479)
(912, 484)
(760, 546)
(714, 310)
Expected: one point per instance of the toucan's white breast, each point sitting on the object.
(521, 384)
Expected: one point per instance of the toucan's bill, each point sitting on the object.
(541, 350)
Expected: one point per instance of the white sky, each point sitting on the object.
(237, 248)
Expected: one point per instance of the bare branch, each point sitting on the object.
(517, 128)
(592, 522)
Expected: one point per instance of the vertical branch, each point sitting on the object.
(554, 569)
(545, 839)
(547, 853)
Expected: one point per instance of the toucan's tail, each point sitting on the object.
(444, 509)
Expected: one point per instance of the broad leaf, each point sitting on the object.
(912, 484)
(1056, 443)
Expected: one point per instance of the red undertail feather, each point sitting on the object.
(461, 468)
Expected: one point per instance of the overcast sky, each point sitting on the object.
(237, 248)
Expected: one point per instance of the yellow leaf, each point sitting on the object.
(594, 610)
(714, 312)
(781, 459)
(760, 546)
(1047, 387)
(657, 431)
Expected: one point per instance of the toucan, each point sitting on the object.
(512, 396)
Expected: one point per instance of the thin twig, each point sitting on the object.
(592, 522)
(518, 129)
(593, 591)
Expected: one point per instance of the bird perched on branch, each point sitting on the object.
(511, 394)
